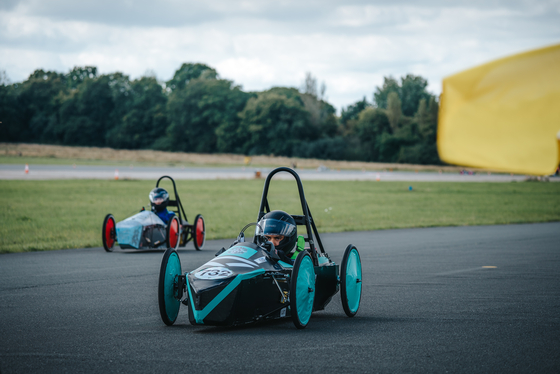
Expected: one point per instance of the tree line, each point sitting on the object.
(197, 111)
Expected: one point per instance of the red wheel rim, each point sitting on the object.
(200, 232)
(109, 233)
(173, 233)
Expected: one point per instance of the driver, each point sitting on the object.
(280, 228)
(159, 198)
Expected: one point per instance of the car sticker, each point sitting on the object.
(240, 264)
(215, 272)
(236, 259)
(283, 312)
(260, 260)
(240, 251)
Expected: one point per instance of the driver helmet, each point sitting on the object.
(159, 199)
(279, 222)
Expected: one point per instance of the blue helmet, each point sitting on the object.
(159, 199)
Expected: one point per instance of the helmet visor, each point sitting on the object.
(157, 200)
(158, 197)
(275, 227)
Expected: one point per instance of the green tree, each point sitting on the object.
(310, 85)
(424, 151)
(394, 112)
(353, 111)
(9, 114)
(427, 117)
(37, 101)
(79, 74)
(381, 94)
(335, 148)
(412, 90)
(198, 110)
(94, 108)
(322, 116)
(372, 124)
(188, 72)
(145, 118)
(275, 124)
(289, 92)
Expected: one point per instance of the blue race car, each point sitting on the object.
(147, 230)
(250, 282)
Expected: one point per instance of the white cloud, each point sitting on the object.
(350, 46)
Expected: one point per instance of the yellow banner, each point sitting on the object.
(504, 115)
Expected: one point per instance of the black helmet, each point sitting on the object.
(278, 222)
(159, 199)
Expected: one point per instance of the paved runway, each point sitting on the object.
(42, 172)
(480, 299)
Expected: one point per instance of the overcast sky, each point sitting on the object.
(350, 45)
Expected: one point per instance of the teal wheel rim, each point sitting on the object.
(168, 292)
(353, 281)
(305, 290)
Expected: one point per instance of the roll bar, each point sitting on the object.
(305, 220)
(176, 202)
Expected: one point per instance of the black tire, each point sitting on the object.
(109, 233)
(199, 232)
(302, 290)
(173, 233)
(351, 280)
(168, 300)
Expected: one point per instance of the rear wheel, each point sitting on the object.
(109, 233)
(172, 238)
(199, 232)
(168, 287)
(351, 280)
(302, 290)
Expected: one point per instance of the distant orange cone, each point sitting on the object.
(378, 177)
(26, 168)
(117, 174)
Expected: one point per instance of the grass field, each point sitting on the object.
(47, 215)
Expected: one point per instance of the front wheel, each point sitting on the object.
(351, 280)
(109, 233)
(168, 287)
(173, 232)
(199, 232)
(302, 290)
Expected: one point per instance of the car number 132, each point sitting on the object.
(214, 273)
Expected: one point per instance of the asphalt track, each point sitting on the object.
(44, 172)
(482, 299)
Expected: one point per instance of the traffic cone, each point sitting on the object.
(116, 174)
(26, 168)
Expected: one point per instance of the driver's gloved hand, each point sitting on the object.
(271, 250)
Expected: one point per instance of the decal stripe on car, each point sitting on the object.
(236, 259)
(199, 315)
(212, 263)
(239, 264)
